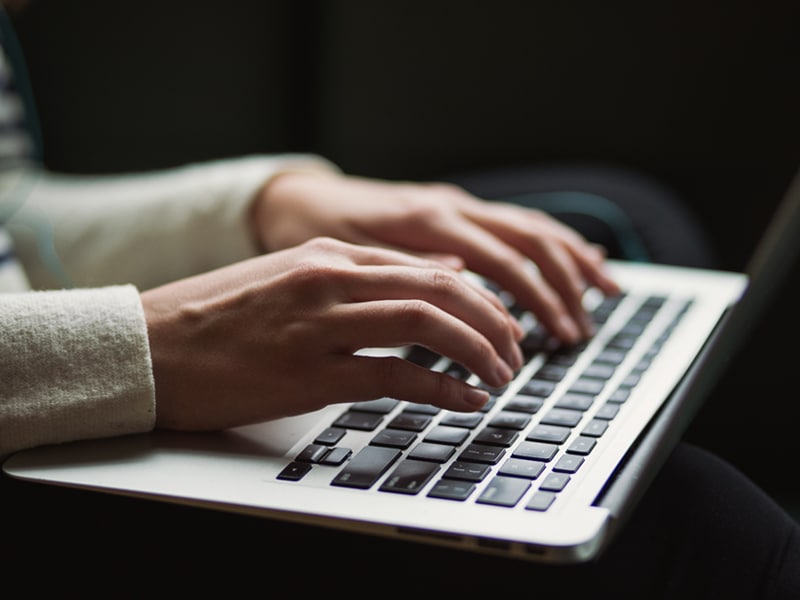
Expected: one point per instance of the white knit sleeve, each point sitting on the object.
(74, 365)
(146, 229)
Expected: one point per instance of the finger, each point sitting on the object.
(492, 257)
(367, 378)
(467, 301)
(396, 323)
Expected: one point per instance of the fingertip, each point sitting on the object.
(476, 398)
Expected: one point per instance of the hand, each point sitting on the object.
(443, 222)
(278, 335)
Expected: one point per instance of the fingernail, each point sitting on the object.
(503, 372)
(476, 398)
(569, 329)
(517, 360)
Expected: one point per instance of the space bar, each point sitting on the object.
(366, 467)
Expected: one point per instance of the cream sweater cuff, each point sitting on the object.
(75, 365)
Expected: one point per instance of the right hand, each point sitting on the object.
(277, 335)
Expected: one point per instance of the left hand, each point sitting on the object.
(441, 221)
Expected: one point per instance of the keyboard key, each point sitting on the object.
(494, 436)
(562, 416)
(453, 436)
(535, 451)
(366, 467)
(336, 456)
(481, 453)
(569, 463)
(467, 420)
(355, 419)
(449, 489)
(439, 453)
(598, 371)
(607, 412)
(394, 438)
(381, 405)
(582, 445)
(549, 433)
(504, 491)
(555, 482)
(584, 385)
(519, 467)
(526, 404)
(410, 421)
(294, 471)
(537, 387)
(312, 453)
(467, 471)
(575, 401)
(419, 355)
(595, 428)
(409, 477)
(541, 501)
(510, 420)
(330, 436)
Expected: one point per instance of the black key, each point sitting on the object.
(312, 453)
(607, 412)
(535, 451)
(366, 467)
(409, 477)
(575, 401)
(610, 357)
(582, 445)
(467, 471)
(336, 456)
(569, 463)
(587, 386)
(425, 409)
(467, 420)
(548, 433)
(598, 371)
(450, 489)
(538, 387)
(394, 438)
(541, 501)
(496, 437)
(510, 420)
(355, 419)
(595, 428)
(294, 471)
(619, 395)
(381, 405)
(439, 453)
(504, 491)
(419, 355)
(526, 404)
(481, 453)
(555, 482)
(410, 421)
(552, 372)
(330, 436)
(562, 416)
(519, 467)
(453, 436)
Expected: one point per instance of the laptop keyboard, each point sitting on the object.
(525, 445)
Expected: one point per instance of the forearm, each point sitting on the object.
(75, 365)
(145, 229)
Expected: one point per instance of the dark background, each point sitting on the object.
(701, 95)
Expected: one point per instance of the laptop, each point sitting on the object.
(549, 471)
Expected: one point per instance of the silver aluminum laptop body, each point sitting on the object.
(707, 315)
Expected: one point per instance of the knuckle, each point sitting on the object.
(416, 314)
